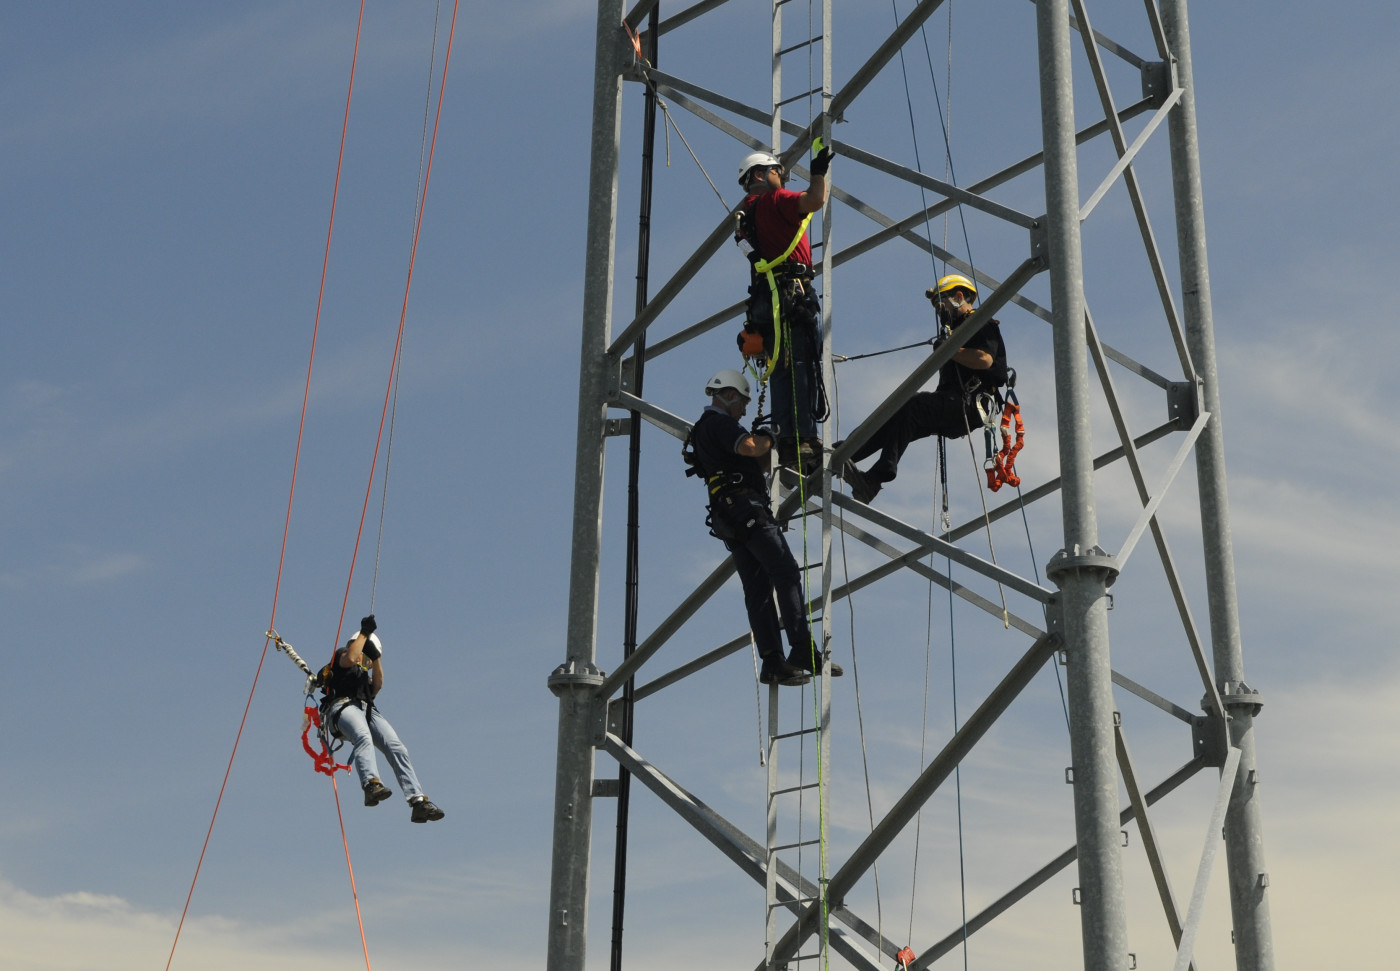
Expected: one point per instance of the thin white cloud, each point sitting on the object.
(83, 931)
(71, 565)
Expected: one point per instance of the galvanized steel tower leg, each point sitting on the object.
(575, 681)
(1081, 570)
(1244, 840)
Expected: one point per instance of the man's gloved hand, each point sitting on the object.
(372, 649)
(367, 625)
(821, 163)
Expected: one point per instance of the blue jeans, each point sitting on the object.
(365, 734)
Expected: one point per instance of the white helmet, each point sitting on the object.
(373, 649)
(750, 161)
(730, 379)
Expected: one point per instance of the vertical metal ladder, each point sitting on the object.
(796, 859)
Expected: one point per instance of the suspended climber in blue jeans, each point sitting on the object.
(351, 682)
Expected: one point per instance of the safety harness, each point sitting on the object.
(324, 760)
(745, 506)
(751, 341)
(787, 283)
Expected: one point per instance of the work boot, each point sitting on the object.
(804, 456)
(376, 792)
(863, 487)
(787, 452)
(424, 810)
(777, 670)
(810, 661)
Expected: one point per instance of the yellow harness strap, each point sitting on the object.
(766, 268)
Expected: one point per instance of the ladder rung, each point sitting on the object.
(793, 846)
(801, 731)
(783, 792)
(795, 900)
(799, 97)
(812, 566)
(798, 47)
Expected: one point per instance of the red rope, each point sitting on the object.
(383, 414)
(286, 527)
(322, 761)
(403, 316)
(354, 892)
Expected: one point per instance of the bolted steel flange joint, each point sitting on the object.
(573, 674)
(1236, 695)
(1092, 561)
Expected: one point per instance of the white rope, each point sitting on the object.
(398, 369)
(286, 649)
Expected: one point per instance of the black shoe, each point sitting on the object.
(805, 456)
(778, 670)
(424, 810)
(787, 452)
(808, 661)
(376, 792)
(863, 488)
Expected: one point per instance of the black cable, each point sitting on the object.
(634, 459)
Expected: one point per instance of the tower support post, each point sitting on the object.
(1081, 570)
(575, 681)
(1244, 840)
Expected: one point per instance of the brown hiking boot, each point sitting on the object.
(424, 810)
(376, 792)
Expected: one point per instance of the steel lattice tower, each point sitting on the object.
(1068, 619)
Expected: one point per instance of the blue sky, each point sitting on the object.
(168, 181)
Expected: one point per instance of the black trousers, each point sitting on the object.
(927, 413)
(765, 566)
(794, 380)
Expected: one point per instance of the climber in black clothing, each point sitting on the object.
(951, 410)
(732, 461)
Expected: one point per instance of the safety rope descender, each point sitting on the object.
(1001, 463)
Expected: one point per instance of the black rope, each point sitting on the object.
(633, 560)
(842, 358)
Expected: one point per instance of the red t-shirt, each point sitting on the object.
(776, 218)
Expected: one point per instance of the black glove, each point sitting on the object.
(821, 163)
(371, 651)
(367, 625)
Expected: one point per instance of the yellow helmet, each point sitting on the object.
(952, 281)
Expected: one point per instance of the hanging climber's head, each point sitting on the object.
(754, 172)
(729, 389)
(955, 294)
(373, 649)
